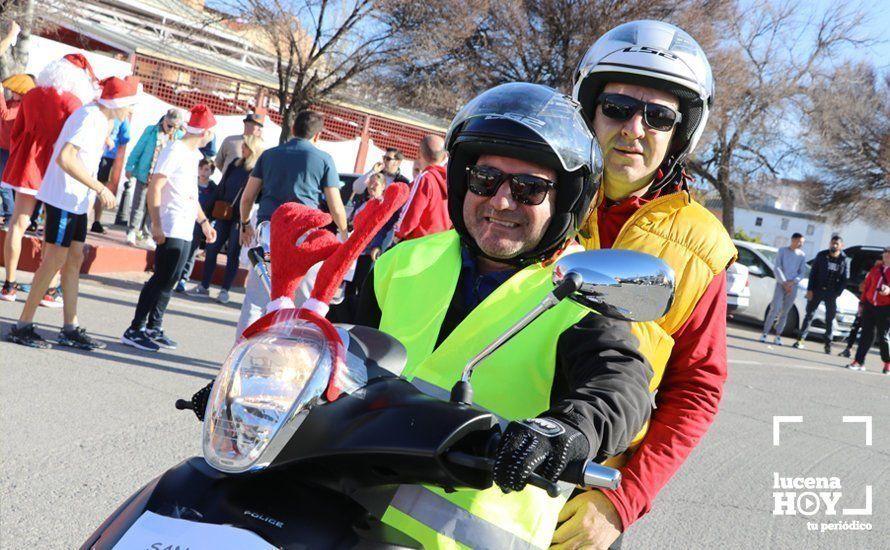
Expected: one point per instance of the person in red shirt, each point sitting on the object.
(63, 86)
(17, 85)
(646, 89)
(874, 307)
(426, 211)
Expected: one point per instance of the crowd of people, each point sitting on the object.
(530, 175)
(826, 280)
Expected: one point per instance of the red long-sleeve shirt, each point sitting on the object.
(877, 276)
(688, 395)
(8, 112)
(427, 209)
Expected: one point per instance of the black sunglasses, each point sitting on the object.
(622, 107)
(525, 188)
(390, 158)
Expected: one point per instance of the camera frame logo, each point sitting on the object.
(808, 496)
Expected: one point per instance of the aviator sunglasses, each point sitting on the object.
(622, 107)
(525, 188)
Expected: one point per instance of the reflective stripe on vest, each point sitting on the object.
(414, 284)
(450, 520)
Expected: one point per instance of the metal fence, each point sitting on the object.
(184, 87)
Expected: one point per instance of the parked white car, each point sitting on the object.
(760, 259)
(738, 291)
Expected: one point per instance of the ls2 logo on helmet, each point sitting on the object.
(648, 49)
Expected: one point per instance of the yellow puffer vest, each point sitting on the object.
(692, 241)
(684, 234)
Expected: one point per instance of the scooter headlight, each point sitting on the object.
(264, 385)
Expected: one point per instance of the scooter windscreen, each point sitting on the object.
(268, 384)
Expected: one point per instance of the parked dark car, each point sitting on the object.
(862, 259)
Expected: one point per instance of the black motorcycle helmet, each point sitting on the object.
(534, 123)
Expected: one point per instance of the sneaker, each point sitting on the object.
(139, 340)
(149, 243)
(855, 366)
(199, 291)
(78, 338)
(180, 286)
(53, 298)
(97, 228)
(798, 345)
(7, 293)
(32, 228)
(886, 369)
(762, 339)
(845, 353)
(131, 238)
(158, 337)
(223, 296)
(827, 348)
(777, 341)
(27, 337)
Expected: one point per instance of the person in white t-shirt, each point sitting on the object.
(173, 205)
(68, 190)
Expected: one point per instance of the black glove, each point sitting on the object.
(541, 445)
(199, 401)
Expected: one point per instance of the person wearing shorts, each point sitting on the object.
(68, 190)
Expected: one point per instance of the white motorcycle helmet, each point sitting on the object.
(656, 55)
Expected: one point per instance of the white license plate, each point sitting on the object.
(155, 531)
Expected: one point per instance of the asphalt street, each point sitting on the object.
(82, 431)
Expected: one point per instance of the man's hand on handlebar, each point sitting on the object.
(589, 520)
(542, 446)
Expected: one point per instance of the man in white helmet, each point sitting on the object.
(646, 89)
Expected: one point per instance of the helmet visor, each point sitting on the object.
(554, 117)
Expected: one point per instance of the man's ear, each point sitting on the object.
(316, 137)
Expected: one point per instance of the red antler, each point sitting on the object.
(367, 223)
(292, 222)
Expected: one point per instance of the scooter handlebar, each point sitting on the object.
(592, 476)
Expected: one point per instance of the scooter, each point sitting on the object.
(310, 429)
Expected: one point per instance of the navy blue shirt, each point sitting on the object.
(474, 286)
(296, 171)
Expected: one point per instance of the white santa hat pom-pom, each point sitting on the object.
(65, 77)
(280, 303)
(315, 306)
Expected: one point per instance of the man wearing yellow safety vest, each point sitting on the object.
(523, 169)
(646, 89)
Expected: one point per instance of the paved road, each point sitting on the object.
(81, 431)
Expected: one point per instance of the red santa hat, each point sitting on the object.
(118, 93)
(78, 60)
(200, 119)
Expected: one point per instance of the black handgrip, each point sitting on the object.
(184, 405)
(256, 255)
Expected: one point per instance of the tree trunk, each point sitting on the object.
(16, 59)
(289, 115)
(727, 197)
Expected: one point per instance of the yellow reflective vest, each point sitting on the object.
(414, 284)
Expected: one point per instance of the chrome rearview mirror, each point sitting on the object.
(622, 284)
